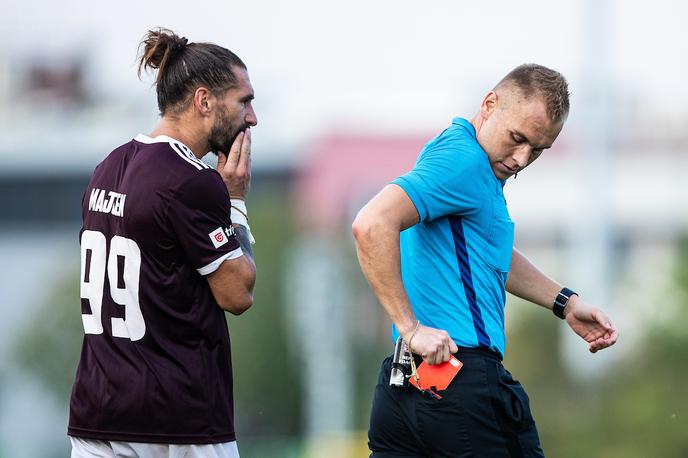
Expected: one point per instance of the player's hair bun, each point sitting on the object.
(183, 67)
(159, 46)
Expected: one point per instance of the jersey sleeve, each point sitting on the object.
(199, 214)
(446, 181)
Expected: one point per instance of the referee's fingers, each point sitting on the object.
(443, 354)
(452, 347)
(440, 354)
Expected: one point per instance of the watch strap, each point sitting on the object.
(561, 300)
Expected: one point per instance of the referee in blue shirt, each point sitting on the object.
(437, 247)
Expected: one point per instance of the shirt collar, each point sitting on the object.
(141, 138)
(466, 124)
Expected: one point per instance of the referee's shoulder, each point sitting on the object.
(455, 144)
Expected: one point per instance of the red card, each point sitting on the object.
(436, 377)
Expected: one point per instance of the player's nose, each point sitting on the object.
(251, 118)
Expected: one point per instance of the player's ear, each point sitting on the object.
(489, 104)
(203, 101)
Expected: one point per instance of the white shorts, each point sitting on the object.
(88, 448)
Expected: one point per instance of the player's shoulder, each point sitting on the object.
(203, 186)
(173, 152)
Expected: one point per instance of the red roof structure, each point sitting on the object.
(342, 172)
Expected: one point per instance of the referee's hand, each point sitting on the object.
(591, 323)
(434, 345)
(235, 166)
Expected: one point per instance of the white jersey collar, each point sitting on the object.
(159, 139)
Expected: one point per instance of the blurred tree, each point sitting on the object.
(639, 409)
(50, 348)
(267, 385)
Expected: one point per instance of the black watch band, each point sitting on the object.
(561, 300)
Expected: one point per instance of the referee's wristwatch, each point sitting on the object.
(561, 300)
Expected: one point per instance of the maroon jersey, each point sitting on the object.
(155, 363)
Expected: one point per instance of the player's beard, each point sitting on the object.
(223, 133)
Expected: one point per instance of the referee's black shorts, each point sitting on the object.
(483, 413)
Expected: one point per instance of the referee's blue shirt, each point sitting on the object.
(455, 261)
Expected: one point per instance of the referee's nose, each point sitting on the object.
(522, 156)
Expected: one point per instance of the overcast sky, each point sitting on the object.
(374, 65)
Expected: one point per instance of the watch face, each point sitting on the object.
(561, 301)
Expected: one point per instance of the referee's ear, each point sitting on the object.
(489, 104)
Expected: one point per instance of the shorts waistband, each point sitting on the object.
(469, 352)
(478, 351)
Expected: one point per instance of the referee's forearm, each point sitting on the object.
(377, 246)
(529, 283)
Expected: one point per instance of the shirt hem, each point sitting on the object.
(151, 438)
(213, 266)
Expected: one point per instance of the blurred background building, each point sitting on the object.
(347, 94)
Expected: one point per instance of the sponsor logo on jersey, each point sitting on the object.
(220, 236)
(107, 202)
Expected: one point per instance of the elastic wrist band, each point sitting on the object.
(239, 204)
(239, 215)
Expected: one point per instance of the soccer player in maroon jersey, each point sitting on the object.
(165, 251)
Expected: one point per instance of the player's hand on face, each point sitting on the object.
(591, 323)
(235, 166)
(434, 345)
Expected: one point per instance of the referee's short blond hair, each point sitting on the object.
(537, 80)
